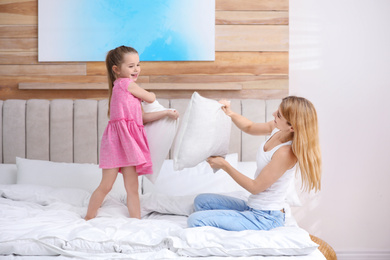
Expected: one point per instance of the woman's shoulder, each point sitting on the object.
(286, 153)
(274, 130)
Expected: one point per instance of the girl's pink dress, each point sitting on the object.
(124, 141)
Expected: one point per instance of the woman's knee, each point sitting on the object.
(195, 220)
(201, 201)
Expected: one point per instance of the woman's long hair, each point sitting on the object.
(115, 57)
(302, 116)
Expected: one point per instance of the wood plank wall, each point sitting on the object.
(251, 59)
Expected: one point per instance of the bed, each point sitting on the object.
(48, 169)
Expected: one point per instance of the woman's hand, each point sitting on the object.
(217, 162)
(173, 114)
(226, 107)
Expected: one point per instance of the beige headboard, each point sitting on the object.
(65, 130)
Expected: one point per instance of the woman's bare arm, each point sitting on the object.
(282, 160)
(245, 124)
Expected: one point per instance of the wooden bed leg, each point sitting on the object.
(325, 248)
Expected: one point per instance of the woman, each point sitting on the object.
(293, 142)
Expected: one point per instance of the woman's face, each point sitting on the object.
(281, 122)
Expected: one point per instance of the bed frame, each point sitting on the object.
(65, 130)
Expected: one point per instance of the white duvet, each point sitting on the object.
(40, 220)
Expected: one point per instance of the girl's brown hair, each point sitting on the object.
(115, 57)
(302, 116)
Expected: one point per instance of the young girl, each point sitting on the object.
(293, 141)
(124, 147)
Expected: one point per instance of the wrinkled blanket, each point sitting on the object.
(41, 220)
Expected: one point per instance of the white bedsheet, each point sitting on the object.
(45, 221)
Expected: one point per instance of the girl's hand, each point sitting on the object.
(173, 114)
(226, 107)
(216, 162)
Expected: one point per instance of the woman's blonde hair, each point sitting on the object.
(115, 57)
(302, 116)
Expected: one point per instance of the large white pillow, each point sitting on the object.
(84, 176)
(211, 241)
(204, 131)
(45, 195)
(195, 180)
(160, 134)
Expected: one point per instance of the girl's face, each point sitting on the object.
(281, 122)
(130, 68)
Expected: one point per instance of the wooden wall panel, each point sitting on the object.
(18, 31)
(259, 5)
(251, 59)
(251, 38)
(15, 57)
(22, 12)
(19, 44)
(226, 63)
(251, 17)
(58, 69)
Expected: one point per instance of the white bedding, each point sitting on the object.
(46, 221)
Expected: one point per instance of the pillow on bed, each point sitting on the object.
(160, 136)
(175, 205)
(204, 131)
(45, 195)
(210, 241)
(84, 176)
(7, 173)
(195, 180)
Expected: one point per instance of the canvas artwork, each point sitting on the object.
(160, 30)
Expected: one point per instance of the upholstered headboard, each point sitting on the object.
(65, 130)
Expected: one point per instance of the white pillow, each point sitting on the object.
(45, 195)
(166, 204)
(204, 131)
(84, 176)
(211, 241)
(174, 205)
(160, 136)
(7, 173)
(195, 180)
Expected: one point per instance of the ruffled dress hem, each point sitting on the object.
(124, 143)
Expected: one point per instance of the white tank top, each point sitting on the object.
(274, 197)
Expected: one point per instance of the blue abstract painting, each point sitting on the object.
(160, 30)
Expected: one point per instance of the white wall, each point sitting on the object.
(340, 60)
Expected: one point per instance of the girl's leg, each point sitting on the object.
(210, 201)
(97, 197)
(130, 178)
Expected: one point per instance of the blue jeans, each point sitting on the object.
(232, 214)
